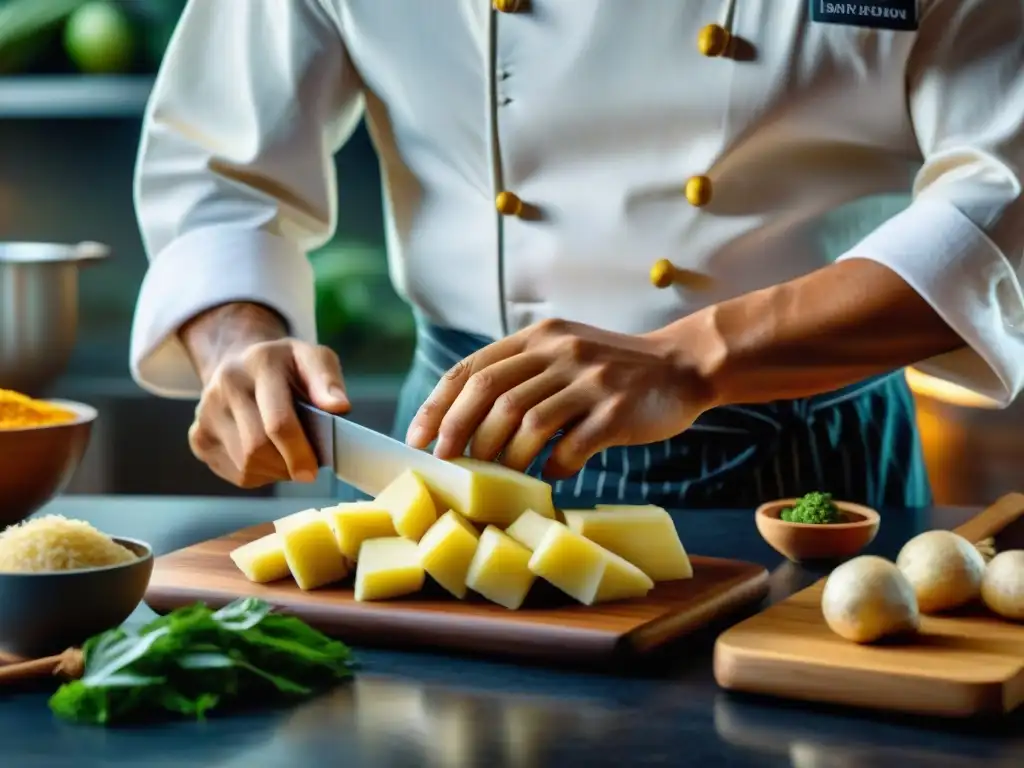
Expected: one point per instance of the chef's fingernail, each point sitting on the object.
(417, 436)
(337, 393)
(305, 476)
(443, 447)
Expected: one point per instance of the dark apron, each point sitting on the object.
(860, 443)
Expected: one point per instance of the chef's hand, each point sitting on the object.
(600, 388)
(246, 429)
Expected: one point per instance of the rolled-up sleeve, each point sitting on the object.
(960, 243)
(235, 178)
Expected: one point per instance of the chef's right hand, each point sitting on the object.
(246, 429)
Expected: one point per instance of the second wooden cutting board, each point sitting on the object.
(554, 631)
(964, 664)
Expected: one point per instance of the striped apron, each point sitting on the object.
(859, 443)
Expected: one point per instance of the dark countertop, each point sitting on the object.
(426, 709)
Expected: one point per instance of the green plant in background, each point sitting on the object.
(354, 297)
(27, 29)
(88, 36)
(99, 39)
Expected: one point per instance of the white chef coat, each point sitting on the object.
(594, 114)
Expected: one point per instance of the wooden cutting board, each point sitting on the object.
(548, 628)
(960, 665)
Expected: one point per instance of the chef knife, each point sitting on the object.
(368, 460)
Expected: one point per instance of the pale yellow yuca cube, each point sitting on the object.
(310, 549)
(355, 522)
(262, 560)
(621, 580)
(447, 550)
(529, 528)
(500, 570)
(388, 568)
(499, 494)
(643, 535)
(412, 508)
(572, 563)
(487, 492)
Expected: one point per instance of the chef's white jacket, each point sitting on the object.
(606, 122)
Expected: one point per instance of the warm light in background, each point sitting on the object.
(936, 389)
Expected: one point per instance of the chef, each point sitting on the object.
(666, 251)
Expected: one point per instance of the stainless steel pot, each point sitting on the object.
(39, 310)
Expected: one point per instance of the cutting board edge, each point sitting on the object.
(747, 591)
(737, 670)
(478, 638)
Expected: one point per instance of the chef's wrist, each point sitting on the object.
(228, 330)
(697, 355)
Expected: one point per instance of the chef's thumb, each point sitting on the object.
(319, 373)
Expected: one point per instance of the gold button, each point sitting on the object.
(508, 204)
(698, 190)
(507, 6)
(663, 274)
(713, 40)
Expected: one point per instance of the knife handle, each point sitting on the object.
(319, 428)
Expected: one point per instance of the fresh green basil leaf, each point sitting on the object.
(193, 660)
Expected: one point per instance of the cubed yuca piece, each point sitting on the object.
(500, 494)
(447, 550)
(500, 570)
(355, 522)
(310, 549)
(262, 560)
(572, 563)
(621, 580)
(388, 568)
(529, 528)
(489, 493)
(412, 508)
(643, 535)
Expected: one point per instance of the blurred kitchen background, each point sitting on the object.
(74, 78)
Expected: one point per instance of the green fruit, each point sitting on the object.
(98, 39)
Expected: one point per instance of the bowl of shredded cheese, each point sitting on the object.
(63, 581)
(41, 445)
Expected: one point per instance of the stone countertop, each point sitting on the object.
(428, 709)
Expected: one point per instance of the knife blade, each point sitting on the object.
(369, 461)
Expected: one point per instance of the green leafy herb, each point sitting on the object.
(814, 508)
(195, 659)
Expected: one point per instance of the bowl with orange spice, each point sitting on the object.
(41, 445)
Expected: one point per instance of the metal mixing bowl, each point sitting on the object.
(39, 310)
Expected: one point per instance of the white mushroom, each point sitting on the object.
(1002, 589)
(868, 598)
(944, 568)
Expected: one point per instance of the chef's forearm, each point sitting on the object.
(828, 329)
(228, 330)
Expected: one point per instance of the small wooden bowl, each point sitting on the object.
(38, 462)
(803, 542)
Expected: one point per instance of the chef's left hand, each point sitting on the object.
(599, 388)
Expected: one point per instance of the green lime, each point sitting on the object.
(98, 38)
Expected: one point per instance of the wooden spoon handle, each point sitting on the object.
(993, 520)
